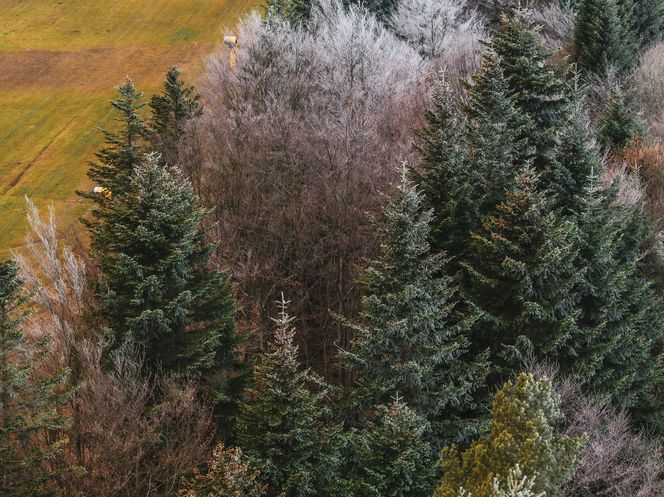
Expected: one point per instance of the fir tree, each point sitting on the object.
(394, 458)
(575, 161)
(124, 150)
(498, 134)
(620, 315)
(523, 434)
(447, 180)
(411, 339)
(603, 35)
(649, 21)
(524, 279)
(171, 110)
(516, 70)
(29, 402)
(162, 294)
(117, 161)
(618, 126)
(283, 423)
(538, 87)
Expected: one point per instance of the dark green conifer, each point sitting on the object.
(393, 456)
(619, 125)
(499, 134)
(604, 36)
(124, 149)
(524, 279)
(575, 161)
(283, 423)
(546, 96)
(29, 402)
(447, 180)
(649, 21)
(162, 293)
(537, 86)
(116, 161)
(620, 317)
(176, 105)
(412, 340)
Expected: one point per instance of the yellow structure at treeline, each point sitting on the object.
(60, 62)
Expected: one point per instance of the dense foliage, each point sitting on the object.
(499, 295)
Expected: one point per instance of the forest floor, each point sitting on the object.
(60, 62)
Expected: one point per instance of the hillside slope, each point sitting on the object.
(59, 64)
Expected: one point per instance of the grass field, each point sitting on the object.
(60, 62)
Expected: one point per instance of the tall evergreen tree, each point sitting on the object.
(411, 339)
(603, 35)
(575, 161)
(538, 87)
(283, 423)
(649, 21)
(394, 458)
(523, 433)
(619, 125)
(498, 134)
(171, 110)
(162, 294)
(116, 161)
(524, 278)
(124, 149)
(29, 402)
(447, 180)
(620, 315)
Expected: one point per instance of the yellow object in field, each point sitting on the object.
(103, 191)
(231, 43)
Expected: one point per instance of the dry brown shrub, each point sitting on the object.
(649, 89)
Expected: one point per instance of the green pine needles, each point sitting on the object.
(412, 340)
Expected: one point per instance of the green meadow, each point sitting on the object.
(60, 62)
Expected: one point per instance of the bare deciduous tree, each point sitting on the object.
(133, 436)
(140, 435)
(447, 31)
(296, 141)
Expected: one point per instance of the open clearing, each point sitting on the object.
(60, 62)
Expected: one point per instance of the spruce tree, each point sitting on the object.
(393, 456)
(447, 180)
(538, 86)
(116, 161)
(618, 126)
(517, 67)
(124, 149)
(620, 316)
(575, 161)
(498, 135)
(603, 35)
(162, 293)
(29, 401)
(411, 339)
(524, 279)
(648, 21)
(283, 424)
(523, 433)
(171, 110)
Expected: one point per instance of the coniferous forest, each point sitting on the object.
(386, 248)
